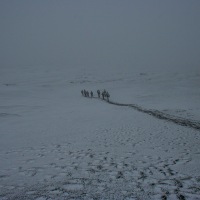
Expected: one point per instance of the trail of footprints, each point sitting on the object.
(90, 174)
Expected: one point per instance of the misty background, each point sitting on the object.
(104, 34)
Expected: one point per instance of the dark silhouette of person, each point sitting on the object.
(103, 95)
(108, 96)
(99, 93)
(91, 94)
(85, 93)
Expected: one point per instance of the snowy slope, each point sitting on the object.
(56, 144)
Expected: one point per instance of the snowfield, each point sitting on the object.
(57, 144)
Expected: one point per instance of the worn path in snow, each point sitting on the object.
(160, 115)
(116, 158)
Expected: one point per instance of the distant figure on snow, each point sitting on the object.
(85, 93)
(99, 93)
(103, 95)
(108, 96)
(91, 94)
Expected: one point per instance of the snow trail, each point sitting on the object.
(160, 115)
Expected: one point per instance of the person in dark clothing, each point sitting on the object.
(99, 93)
(91, 94)
(108, 96)
(82, 92)
(85, 93)
(103, 95)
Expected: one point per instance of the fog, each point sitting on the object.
(116, 34)
(139, 142)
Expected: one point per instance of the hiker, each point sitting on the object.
(91, 93)
(82, 92)
(98, 92)
(103, 95)
(107, 95)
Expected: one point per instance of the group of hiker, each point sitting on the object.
(104, 94)
(86, 93)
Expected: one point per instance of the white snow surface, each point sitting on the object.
(57, 144)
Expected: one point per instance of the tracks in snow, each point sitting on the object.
(160, 115)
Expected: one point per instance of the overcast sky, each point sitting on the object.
(139, 33)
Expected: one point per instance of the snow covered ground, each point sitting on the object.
(56, 144)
